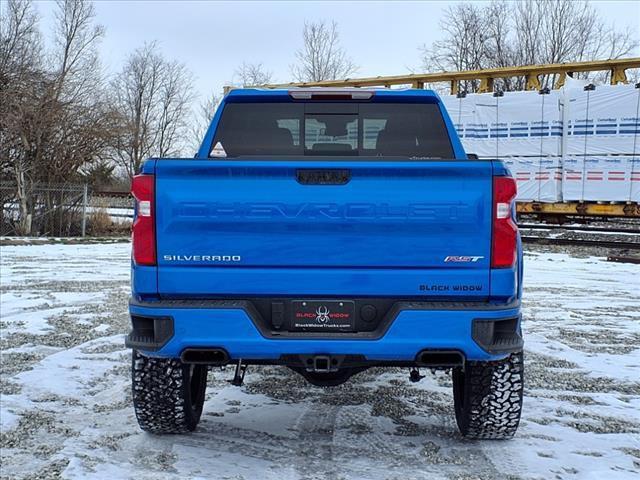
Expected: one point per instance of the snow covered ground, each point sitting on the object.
(66, 404)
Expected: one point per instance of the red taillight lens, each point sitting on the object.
(505, 231)
(143, 235)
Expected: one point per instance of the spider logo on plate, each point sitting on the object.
(322, 314)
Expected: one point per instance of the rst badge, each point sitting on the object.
(462, 259)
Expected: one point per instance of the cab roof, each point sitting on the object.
(408, 95)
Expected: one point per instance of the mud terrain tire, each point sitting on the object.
(167, 394)
(488, 397)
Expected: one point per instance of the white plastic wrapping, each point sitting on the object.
(461, 111)
(538, 179)
(635, 180)
(612, 178)
(568, 145)
(603, 121)
(516, 124)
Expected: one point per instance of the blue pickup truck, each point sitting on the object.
(327, 231)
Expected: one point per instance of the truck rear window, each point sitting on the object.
(339, 129)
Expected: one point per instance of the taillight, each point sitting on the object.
(143, 235)
(505, 231)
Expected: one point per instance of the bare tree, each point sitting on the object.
(464, 46)
(321, 57)
(202, 118)
(523, 33)
(53, 115)
(80, 122)
(528, 31)
(57, 119)
(569, 31)
(20, 42)
(75, 56)
(176, 95)
(252, 74)
(20, 74)
(152, 97)
(135, 90)
(500, 50)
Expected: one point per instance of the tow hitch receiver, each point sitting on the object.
(321, 363)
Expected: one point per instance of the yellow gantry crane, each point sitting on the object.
(532, 74)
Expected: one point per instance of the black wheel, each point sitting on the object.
(167, 394)
(488, 397)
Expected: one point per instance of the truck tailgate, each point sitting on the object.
(405, 228)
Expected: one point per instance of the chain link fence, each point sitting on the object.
(69, 210)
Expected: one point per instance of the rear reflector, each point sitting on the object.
(331, 94)
(505, 231)
(143, 236)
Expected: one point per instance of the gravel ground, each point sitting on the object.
(572, 231)
(66, 404)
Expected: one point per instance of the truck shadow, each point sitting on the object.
(375, 426)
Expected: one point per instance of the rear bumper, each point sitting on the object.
(479, 331)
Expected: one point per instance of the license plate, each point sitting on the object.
(323, 316)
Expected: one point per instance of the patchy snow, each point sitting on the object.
(66, 402)
(56, 263)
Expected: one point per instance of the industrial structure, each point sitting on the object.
(532, 74)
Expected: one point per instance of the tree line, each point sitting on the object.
(526, 32)
(62, 120)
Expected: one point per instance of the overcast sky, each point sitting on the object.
(213, 38)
